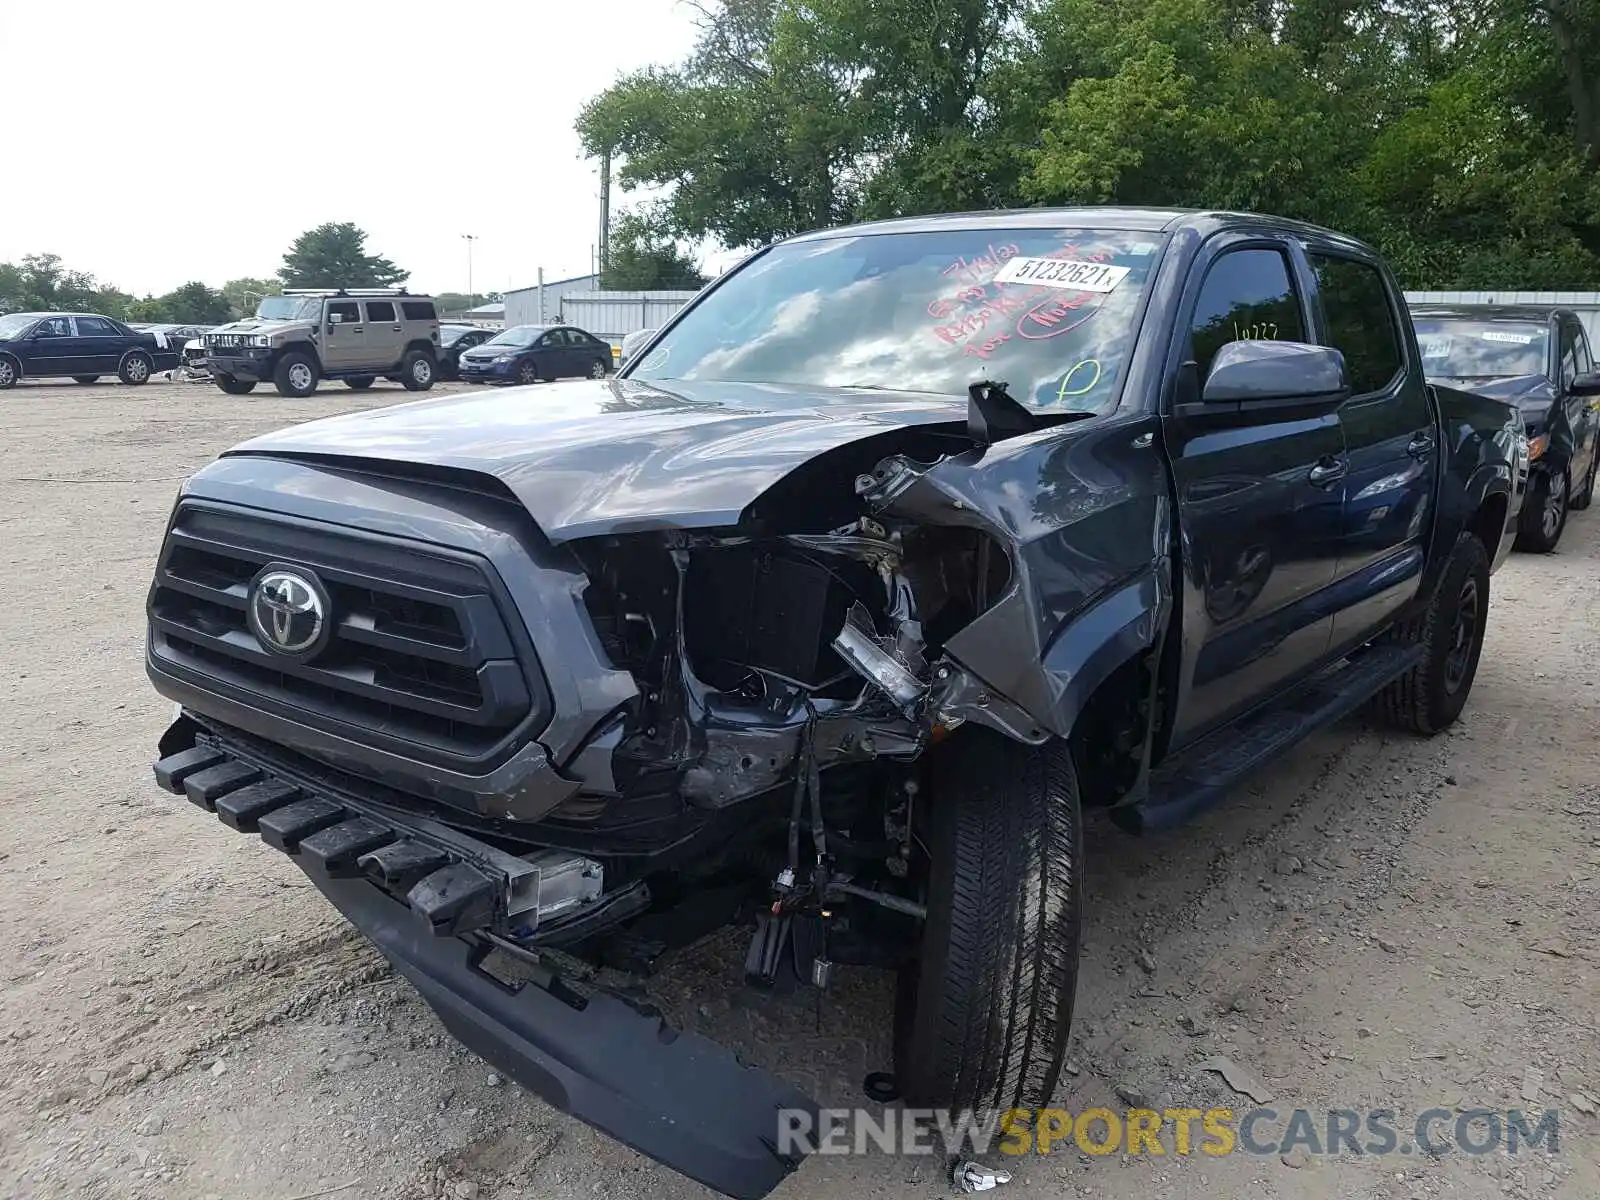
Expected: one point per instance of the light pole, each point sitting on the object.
(471, 298)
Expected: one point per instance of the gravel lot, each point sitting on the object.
(1377, 922)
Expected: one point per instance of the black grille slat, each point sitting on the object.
(420, 653)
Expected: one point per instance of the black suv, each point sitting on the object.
(827, 617)
(1538, 359)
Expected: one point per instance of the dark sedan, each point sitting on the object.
(1539, 360)
(530, 353)
(455, 340)
(81, 346)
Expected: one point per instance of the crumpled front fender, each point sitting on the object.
(1085, 515)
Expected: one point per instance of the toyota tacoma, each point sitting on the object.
(891, 552)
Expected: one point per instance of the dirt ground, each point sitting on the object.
(1378, 922)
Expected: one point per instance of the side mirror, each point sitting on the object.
(1587, 384)
(335, 318)
(1267, 375)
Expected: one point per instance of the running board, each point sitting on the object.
(1205, 772)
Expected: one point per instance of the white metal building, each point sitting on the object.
(541, 304)
(614, 315)
(1585, 304)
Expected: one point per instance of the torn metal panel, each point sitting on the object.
(1085, 515)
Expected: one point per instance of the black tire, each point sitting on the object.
(135, 368)
(527, 373)
(1430, 696)
(86, 379)
(234, 387)
(417, 371)
(361, 382)
(984, 1012)
(599, 369)
(10, 372)
(1544, 512)
(1586, 497)
(296, 374)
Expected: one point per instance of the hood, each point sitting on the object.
(257, 325)
(1527, 392)
(483, 350)
(592, 457)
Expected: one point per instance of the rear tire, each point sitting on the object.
(295, 375)
(984, 1012)
(235, 387)
(1544, 512)
(598, 369)
(135, 369)
(416, 371)
(1430, 696)
(361, 382)
(86, 379)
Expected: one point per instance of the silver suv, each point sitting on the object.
(306, 335)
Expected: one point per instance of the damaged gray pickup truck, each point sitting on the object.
(896, 548)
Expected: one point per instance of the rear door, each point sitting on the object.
(344, 337)
(102, 344)
(1390, 438)
(1258, 498)
(385, 336)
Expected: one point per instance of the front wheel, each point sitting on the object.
(9, 373)
(295, 374)
(135, 368)
(1544, 513)
(361, 382)
(1431, 695)
(85, 379)
(416, 371)
(235, 387)
(527, 373)
(984, 1011)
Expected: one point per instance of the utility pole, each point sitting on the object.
(472, 299)
(605, 216)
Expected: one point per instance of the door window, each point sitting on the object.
(380, 310)
(54, 327)
(556, 337)
(1569, 356)
(1581, 341)
(1360, 320)
(348, 311)
(96, 327)
(1248, 295)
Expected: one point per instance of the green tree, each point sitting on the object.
(334, 255)
(196, 304)
(643, 257)
(41, 283)
(245, 293)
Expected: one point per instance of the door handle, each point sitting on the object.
(1327, 470)
(1421, 446)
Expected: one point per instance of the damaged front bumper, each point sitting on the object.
(427, 897)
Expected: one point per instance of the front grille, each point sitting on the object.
(422, 660)
(227, 341)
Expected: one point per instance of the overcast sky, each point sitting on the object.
(154, 143)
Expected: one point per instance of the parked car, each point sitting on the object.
(631, 344)
(306, 335)
(1538, 359)
(453, 340)
(80, 346)
(807, 622)
(531, 353)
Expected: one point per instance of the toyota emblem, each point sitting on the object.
(289, 611)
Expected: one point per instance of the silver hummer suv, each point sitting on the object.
(309, 334)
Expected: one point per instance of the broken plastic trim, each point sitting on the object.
(857, 644)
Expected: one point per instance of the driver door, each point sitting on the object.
(344, 337)
(1259, 497)
(54, 348)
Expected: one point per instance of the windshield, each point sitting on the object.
(290, 308)
(1462, 348)
(16, 323)
(517, 335)
(1049, 311)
